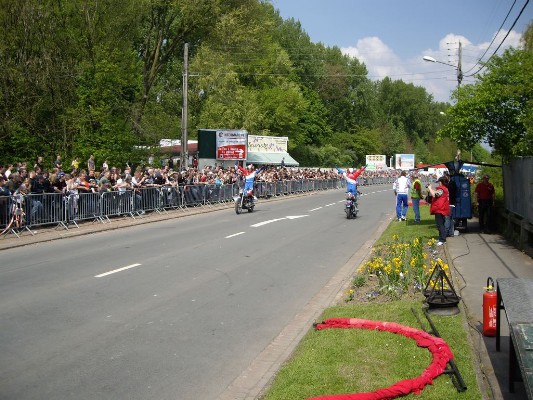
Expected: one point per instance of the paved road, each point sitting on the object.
(176, 309)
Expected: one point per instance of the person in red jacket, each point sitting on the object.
(484, 194)
(440, 207)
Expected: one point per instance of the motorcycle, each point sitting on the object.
(245, 201)
(350, 207)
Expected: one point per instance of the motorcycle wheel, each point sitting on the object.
(251, 209)
(238, 206)
(348, 213)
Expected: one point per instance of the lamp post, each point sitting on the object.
(457, 67)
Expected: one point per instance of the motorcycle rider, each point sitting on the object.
(351, 180)
(249, 178)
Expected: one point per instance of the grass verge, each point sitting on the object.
(344, 361)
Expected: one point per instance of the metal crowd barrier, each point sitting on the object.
(25, 212)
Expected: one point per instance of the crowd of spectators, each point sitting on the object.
(138, 181)
(25, 178)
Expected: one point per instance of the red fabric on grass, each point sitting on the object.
(439, 349)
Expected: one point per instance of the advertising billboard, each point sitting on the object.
(231, 144)
(405, 161)
(376, 162)
(267, 144)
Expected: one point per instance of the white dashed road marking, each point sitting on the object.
(235, 234)
(117, 270)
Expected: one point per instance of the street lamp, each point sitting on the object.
(457, 67)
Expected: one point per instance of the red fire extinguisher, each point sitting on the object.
(489, 309)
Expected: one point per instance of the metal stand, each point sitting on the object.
(453, 371)
(439, 291)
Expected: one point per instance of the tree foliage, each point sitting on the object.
(498, 108)
(106, 78)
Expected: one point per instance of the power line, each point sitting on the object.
(494, 38)
(508, 32)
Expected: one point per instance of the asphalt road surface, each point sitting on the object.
(171, 310)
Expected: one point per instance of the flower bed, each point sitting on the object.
(396, 270)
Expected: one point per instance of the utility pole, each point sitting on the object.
(184, 156)
(459, 70)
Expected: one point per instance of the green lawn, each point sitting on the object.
(343, 361)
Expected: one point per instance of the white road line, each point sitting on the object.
(266, 222)
(314, 209)
(332, 204)
(117, 270)
(235, 234)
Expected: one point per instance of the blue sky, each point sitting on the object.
(392, 36)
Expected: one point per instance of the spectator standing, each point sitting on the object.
(14, 182)
(36, 200)
(452, 194)
(440, 207)
(4, 202)
(90, 163)
(58, 163)
(59, 184)
(485, 194)
(75, 164)
(8, 171)
(401, 189)
(39, 165)
(416, 195)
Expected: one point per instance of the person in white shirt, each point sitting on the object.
(401, 191)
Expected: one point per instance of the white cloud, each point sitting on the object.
(438, 79)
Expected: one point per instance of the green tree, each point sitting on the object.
(498, 108)
(165, 26)
(245, 79)
(527, 38)
(38, 60)
(356, 145)
(409, 107)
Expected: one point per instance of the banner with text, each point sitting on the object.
(267, 144)
(231, 145)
